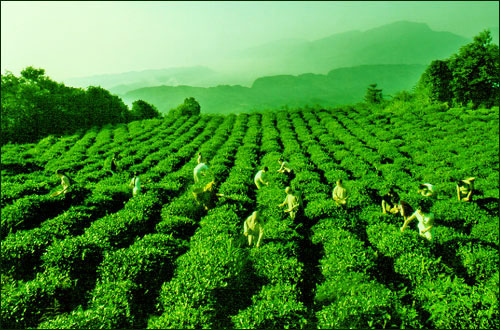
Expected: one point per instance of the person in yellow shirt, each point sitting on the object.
(293, 202)
(339, 193)
(206, 196)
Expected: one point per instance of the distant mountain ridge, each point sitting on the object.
(122, 82)
(395, 43)
(339, 86)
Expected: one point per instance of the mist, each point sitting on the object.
(78, 39)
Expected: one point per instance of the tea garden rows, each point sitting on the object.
(98, 258)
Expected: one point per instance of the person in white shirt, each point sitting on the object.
(253, 229)
(293, 203)
(426, 189)
(136, 184)
(339, 193)
(259, 178)
(65, 183)
(425, 222)
(199, 169)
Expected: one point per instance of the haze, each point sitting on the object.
(75, 39)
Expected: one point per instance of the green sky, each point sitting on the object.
(73, 39)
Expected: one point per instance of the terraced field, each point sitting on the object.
(100, 258)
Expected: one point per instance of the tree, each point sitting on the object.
(34, 106)
(190, 107)
(143, 110)
(373, 94)
(436, 81)
(475, 72)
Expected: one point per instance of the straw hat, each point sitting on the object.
(469, 180)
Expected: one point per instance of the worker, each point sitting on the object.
(465, 189)
(253, 229)
(199, 169)
(405, 209)
(390, 201)
(426, 189)
(113, 167)
(339, 193)
(136, 184)
(425, 221)
(259, 178)
(205, 196)
(65, 183)
(293, 202)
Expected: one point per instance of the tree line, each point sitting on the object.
(470, 77)
(34, 106)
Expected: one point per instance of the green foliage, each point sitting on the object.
(100, 258)
(355, 302)
(437, 81)
(143, 110)
(275, 307)
(470, 76)
(34, 106)
(190, 107)
(373, 94)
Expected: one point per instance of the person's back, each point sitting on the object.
(259, 178)
(293, 205)
(198, 169)
(405, 209)
(136, 184)
(65, 182)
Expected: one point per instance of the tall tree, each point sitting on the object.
(436, 81)
(475, 72)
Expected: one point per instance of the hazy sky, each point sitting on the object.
(74, 39)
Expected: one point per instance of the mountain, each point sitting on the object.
(339, 86)
(124, 82)
(397, 43)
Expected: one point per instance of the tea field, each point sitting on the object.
(100, 258)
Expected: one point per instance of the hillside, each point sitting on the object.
(340, 86)
(99, 258)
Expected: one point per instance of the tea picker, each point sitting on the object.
(136, 184)
(259, 178)
(199, 169)
(339, 193)
(65, 183)
(253, 229)
(293, 202)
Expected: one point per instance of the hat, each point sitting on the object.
(469, 180)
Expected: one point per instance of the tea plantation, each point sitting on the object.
(99, 258)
